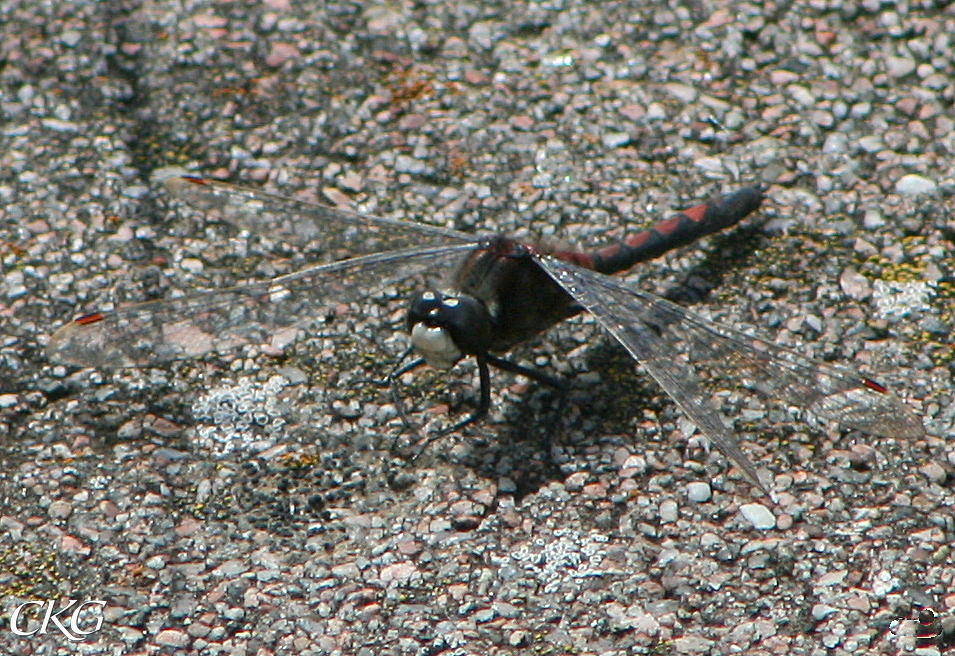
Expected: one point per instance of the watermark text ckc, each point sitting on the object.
(57, 619)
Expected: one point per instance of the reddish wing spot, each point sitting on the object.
(872, 385)
(927, 629)
(927, 617)
(193, 179)
(89, 318)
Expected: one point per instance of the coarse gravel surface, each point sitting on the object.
(254, 503)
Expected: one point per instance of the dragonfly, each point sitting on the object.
(502, 291)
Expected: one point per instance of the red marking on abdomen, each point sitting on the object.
(584, 260)
(696, 213)
(89, 318)
(633, 241)
(872, 385)
(669, 226)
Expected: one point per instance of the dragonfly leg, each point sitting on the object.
(398, 371)
(533, 374)
(479, 413)
(484, 362)
(559, 384)
(401, 369)
(391, 380)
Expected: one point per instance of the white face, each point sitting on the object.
(435, 346)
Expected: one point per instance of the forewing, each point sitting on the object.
(338, 232)
(220, 320)
(672, 343)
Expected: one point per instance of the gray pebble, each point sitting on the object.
(698, 492)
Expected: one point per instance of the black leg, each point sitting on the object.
(398, 370)
(391, 380)
(484, 363)
(479, 413)
(544, 379)
(402, 369)
(533, 374)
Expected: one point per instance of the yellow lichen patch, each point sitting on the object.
(32, 571)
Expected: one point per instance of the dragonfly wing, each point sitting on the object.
(220, 320)
(338, 232)
(617, 312)
(676, 346)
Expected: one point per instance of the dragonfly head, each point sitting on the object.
(444, 328)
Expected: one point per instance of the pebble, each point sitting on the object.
(698, 492)
(870, 143)
(156, 562)
(934, 472)
(399, 572)
(669, 511)
(832, 578)
(835, 143)
(60, 509)
(408, 164)
(71, 38)
(656, 112)
(685, 93)
(58, 125)
(758, 515)
(822, 611)
(912, 184)
(615, 139)
(520, 638)
(192, 265)
(576, 481)
(899, 66)
(172, 638)
(280, 53)
(712, 165)
(854, 285)
(871, 220)
(692, 645)
(635, 464)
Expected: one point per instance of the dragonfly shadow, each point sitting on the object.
(728, 252)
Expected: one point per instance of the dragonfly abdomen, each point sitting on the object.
(679, 230)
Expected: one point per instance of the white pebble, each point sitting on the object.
(899, 66)
(915, 184)
(192, 264)
(698, 492)
(758, 515)
(822, 611)
(669, 511)
(613, 140)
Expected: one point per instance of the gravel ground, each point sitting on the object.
(251, 504)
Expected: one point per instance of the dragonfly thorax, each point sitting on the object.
(446, 327)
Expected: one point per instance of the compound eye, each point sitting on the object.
(423, 307)
(465, 319)
(468, 322)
